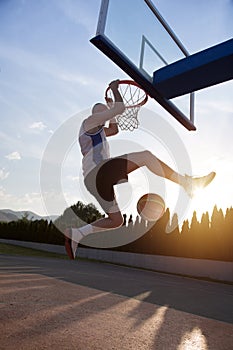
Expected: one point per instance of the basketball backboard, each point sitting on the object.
(134, 36)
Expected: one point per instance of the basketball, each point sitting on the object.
(151, 207)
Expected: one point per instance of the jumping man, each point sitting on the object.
(101, 172)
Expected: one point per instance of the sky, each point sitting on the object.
(51, 75)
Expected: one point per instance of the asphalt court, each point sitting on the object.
(89, 305)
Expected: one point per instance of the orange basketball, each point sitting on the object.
(151, 207)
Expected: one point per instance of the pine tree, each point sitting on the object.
(217, 234)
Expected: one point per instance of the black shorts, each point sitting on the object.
(103, 177)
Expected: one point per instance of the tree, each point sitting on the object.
(228, 234)
(77, 215)
(25, 218)
(217, 232)
(204, 236)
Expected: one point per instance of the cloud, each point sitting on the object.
(73, 178)
(13, 156)
(79, 13)
(73, 77)
(29, 201)
(38, 126)
(3, 174)
(47, 68)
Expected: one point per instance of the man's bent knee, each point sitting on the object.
(138, 159)
(147, 154)
(117, 219)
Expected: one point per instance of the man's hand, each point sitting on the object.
(112, 129)
(117, 96)
(114, 85)
(117, 107)
(109, 102)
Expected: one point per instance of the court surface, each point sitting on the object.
(60, 304)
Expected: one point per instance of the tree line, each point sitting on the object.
(208, 238)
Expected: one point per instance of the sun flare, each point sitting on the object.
(203, 201)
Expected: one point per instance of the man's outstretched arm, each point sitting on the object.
(112, 129)
(100, 118)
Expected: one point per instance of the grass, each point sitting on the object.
(10, 249)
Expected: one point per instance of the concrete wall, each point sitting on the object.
(219, 270)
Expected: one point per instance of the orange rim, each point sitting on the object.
(128, 83)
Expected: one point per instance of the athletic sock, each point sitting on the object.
(79, 233)
(76, 235)
(86, 230)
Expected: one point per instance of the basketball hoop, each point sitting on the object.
(133, 97)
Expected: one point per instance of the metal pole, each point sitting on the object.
(102, 17)
(192, 95)
(166, 26)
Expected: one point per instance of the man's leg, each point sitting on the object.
(74, 235)
(100, 183)
(146, 158)
(114, 220)
(159, 168)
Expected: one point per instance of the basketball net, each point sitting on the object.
(133, 97)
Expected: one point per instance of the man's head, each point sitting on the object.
(99, 107)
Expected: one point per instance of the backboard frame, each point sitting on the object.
(104, 44)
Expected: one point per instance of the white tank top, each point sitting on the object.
(94, 148)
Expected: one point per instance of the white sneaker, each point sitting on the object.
(71, 245)
(191, 184)
(72, 237)
(74, 246)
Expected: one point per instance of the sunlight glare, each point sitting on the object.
(203, 201)
(193, 340)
